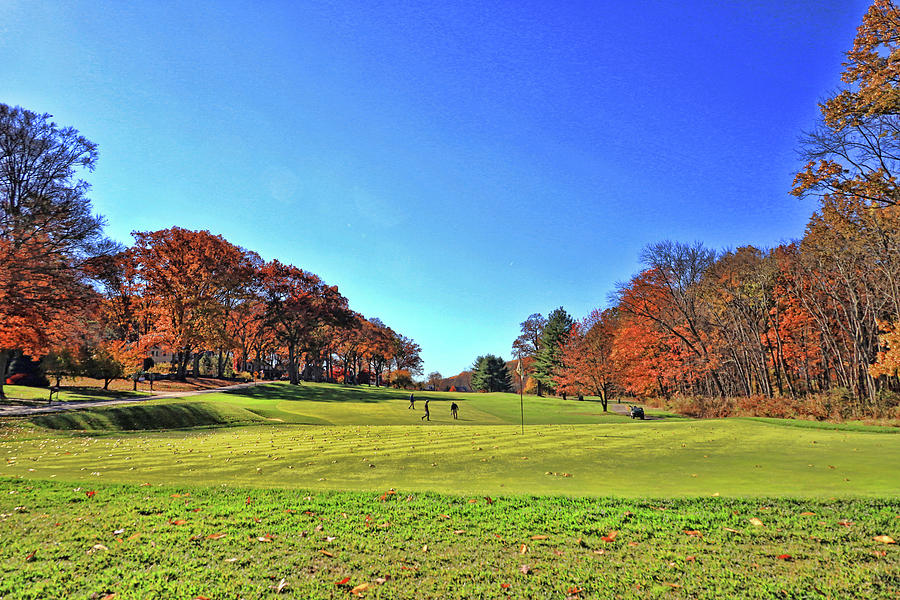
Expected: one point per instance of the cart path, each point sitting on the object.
(22, 411)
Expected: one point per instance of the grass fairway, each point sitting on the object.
(187, 542)
(225, 495)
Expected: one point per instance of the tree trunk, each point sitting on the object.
(4, 364)
(292, 366)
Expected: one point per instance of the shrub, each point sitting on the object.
(28, 379)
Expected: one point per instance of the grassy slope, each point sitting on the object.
(140, 542)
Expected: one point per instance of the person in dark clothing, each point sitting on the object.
(412, 402)
(453, 410)
(427, 415)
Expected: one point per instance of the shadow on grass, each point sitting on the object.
(145, 417)
(310, 393)
(88, 393)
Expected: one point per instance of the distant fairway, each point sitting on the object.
(356, 438)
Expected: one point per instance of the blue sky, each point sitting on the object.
(452, 166)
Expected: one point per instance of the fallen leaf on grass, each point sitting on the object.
(343, 581)
(326, 553)
(689, 558)
(693, 533)
(784, 557)
(523, 549)
(845, 523)
(459, 531)
(99, 547)
(473, 500)
(200, 598)
(539, 537)
(575, 590)
(281, 585)
(231, 560)
(884, 539)
(442, 516)
(109, 596)
(216, 536)
(380, 580)
(732, 530)
(178, 522)
(807, 514)
(90, 494)
(488, 499)
(525, 569)
(756, 522)
(264, 538)
(672, 585)
(504, 585)
(633, 544)
(30, 557)
(358, 590)
(611, 536)
(134, 536)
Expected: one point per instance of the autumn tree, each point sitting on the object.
(489, 374)
(434, 380)
(853, 153)
(192, 279)
(586, 365)
(406, 355)
(528, 343)
(298, 303)
(548, 359)
(47, 230)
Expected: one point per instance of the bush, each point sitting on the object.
(28, 379)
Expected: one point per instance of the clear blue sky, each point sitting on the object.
(454, 166)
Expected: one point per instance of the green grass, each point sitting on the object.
(67, 394)
(304, 467)
(144, 542)
(632, 458)
(848, 426)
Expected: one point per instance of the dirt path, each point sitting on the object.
(21, 411)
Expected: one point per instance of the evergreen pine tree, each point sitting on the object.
(549, 356)
(489, 374)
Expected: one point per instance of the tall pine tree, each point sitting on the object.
(549, 355)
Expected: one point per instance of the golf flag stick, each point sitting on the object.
(521, 373)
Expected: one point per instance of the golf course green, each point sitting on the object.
(318, 490)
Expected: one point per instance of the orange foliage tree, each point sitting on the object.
(47, 231)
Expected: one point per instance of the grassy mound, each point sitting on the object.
(189, 542)
(135, 417)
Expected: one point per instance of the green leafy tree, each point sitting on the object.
(61, 362)
(548, 360)
(489, 374)
(102, 363)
